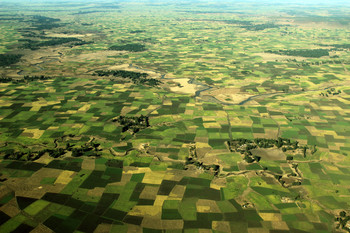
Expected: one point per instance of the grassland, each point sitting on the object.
(84, 152)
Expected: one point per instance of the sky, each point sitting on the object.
(314, 2)
(345, 3)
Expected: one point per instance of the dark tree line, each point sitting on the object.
(9, 59)
(260, 27)
(26, 78)
(129, 47)
(239, 22)
(315, 53)
(323, 62)
(5, 80)
(132, 124)
(121, 73)
(136, 77)
(53, 41)
(85, 12)
(34, 78)
(137, 31)
(338, 46)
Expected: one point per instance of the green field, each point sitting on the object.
(174, 117)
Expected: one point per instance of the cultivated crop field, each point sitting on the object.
(174, 117)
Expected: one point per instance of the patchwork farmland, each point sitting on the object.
(140, 117)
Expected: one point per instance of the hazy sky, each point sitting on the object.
(279, 2)
(321, 2)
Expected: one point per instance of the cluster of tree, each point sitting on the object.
(53, 41)
(9, 59)
(129, 47)
(260, 27)
(250, 158)
(136, 77)
(44, 19)
(132, 124)
(137, 31)
(56, 152)
(342, 220)
(313, 150)
(331, 91)
(247, 144)
(22, 155)
(44, 23)
(148, 81)
(30, 155)
(244, 146)
(290, 182)
(315, 53)
(88, 149)
(213, 168)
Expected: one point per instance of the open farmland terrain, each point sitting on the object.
(174, 117)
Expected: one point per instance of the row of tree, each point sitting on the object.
(129, 47)
(260, 27)
(338, 46)
(26, 78)
(35, 78)
(53, 41)
(330, 91)
(5, 80)
(121, 73)
(315, 53)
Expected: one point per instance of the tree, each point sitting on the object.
(304, 151)
(342, 214)
(9, 59)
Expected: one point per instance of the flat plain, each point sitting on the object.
(174, 117)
